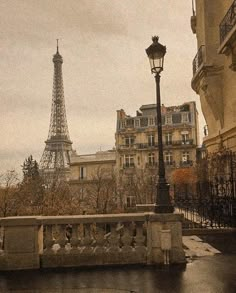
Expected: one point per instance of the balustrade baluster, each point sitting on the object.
(74, 241)
(140, 239)
(87, 239)
(62, 239)
(100, 239)
(127, 239)
(114, 239)
(48, 241)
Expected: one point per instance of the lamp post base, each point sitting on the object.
(163, 202)
(163, 209)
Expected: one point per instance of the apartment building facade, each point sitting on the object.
(214, 70)
(92, 178)
(137, 141)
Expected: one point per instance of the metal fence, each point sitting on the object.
(211, 201)
(228, 22)
(198, 59)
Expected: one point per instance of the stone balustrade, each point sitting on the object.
(90, 240)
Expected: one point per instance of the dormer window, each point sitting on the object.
(168, 119)
(185, 117)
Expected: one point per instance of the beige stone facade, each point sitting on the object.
(92, 179)
(214, 70)
(84, 168)
(137, 143)
(129, 171)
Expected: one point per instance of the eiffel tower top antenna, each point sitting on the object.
(57, 46)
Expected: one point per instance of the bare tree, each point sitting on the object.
(9, 200)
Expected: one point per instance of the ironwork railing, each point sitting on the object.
(228, 22)
(128, 165)
(186, 163)
(155, 145)
(198, 59)
(211, 201)
(207, 213)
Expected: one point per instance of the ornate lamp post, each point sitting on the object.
(156, 53)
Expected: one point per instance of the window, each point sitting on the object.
(151, 159)
(168, 138)
(144, 122)
(129, 140)
(185, 137)
(168, 158)
(151, 121)
(129, 161)
(168, 119)
(82, 173)
(137, 123)
(123, 124)
(81, 193)
(176, 118)
(185, 157)
(130, 122)
(185, 117)
(130, 201)
(151, 140)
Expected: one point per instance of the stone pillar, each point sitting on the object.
(22, 243)
(157, 227)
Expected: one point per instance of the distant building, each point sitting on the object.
(84, 168)
(134, 161)
(137, 142)
(137, 145)
(214, 70)
(92, 179)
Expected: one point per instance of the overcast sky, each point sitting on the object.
(105, 67)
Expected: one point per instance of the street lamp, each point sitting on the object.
(156, 53)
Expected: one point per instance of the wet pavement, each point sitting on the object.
(214, 273)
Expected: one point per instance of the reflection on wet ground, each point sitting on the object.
(207, 274)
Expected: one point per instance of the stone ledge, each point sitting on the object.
(165, 217)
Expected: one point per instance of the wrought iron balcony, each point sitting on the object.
(126, 146)
(146, 145)
(228, 22)
(182, 142)
(151, 165)
(170, 163)
(198, 59)
(128, 165)
(186, 163)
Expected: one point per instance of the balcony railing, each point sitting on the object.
(186, 163)
(128, 165)
(198, 59)
(182, 142)
(151, 165)
(170, 163)
(152, 146)
(228, 22)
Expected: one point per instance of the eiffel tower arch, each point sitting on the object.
(55, 161)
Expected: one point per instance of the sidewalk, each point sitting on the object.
(211, 269)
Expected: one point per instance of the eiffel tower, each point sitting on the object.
(55, 160)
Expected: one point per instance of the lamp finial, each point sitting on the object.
(155, 39)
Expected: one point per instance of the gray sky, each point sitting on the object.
(105, 67)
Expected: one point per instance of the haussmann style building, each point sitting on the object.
(137, 142)
(214, 70)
